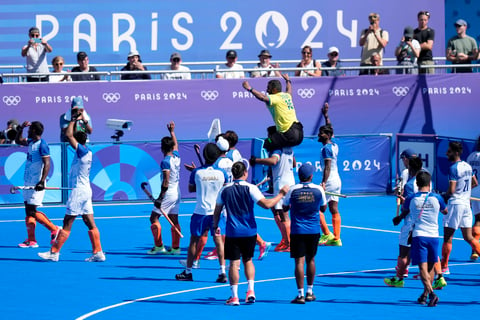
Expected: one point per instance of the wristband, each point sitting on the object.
(288, 81)
(250, 90)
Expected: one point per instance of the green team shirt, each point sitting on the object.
(281, 107)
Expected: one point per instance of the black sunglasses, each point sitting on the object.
(333, 54)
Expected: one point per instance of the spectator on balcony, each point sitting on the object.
(36, 51)
(310, 63)
(425, 36)
(175, 65)
(407, 52)
(58, 62)
(231, 69)
(461, 49)
(372, 40)
(375, 60)
(333, 62)
(134, 64)
(82, 59)
(264, 65)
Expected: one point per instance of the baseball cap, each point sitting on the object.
(460, 22)
(133, 53)
(231, 54)
(81, 55)
(223, 144)
(305, 171)
(12, 122)
(408, 32)
(407, 153)
(175, 55)
(77, 102)
(333, 49)
(265, 53)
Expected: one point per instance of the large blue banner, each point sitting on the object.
(358, 105)
(363, 162)
(205, 30)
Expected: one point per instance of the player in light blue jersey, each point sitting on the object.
(461, 182)
(206, 181)
(331, 181)
(37, 167)
(168, 200)
(238, 198)
(80, 199)
(305, 200)
(474, 161)
(423, 207)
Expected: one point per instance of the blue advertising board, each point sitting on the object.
(205, 30)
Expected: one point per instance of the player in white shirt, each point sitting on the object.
(330, 181)
(474, 161)
(231, 69)
(80, 200)
(461, 182)
(423, 208)
(168, 200)
(37, 167)
(206, 182)
(282, 163)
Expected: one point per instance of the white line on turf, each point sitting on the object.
(92, 313)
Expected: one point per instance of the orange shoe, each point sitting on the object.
(282, 245)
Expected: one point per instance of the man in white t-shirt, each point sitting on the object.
(231, 69)
(183, 72)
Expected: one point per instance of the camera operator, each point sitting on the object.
(407, 52)
(373, 39)
(82, 119)
(8, 135)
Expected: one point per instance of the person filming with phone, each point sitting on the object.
(407, 52)
(36, 51)
(373, 39)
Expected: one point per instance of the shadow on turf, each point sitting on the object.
(152, 279)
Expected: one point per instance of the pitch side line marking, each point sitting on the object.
(88, 315)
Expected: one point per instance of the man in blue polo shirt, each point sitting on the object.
(305, 201)
(238, 198)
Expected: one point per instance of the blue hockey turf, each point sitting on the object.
(133, 285)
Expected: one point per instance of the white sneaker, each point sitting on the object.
(97, 257)
(52, 256)
(195, 265)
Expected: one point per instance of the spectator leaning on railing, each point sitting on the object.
(462, 49)
(314, 67)
(134, 64)
(333, 62)
(58, 62)
(231, 69)
(82, 59)
(264, 63)
(175, 65)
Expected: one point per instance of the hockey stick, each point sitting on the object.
(474, 199)
(199, 155)
(15, 188)
(399, 192)
(149, 195)
(335, 194)
(265, 180)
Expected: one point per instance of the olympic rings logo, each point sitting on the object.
(111, 97)
(209, 95)
(400, 91)
(11, 100)
(306, 93)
